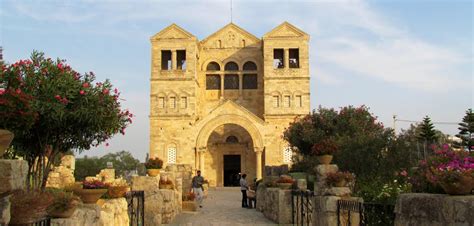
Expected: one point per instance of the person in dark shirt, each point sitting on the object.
(243, 188)
(197, 183)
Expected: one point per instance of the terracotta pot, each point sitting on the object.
(325, 159)
(153, 172)
(285, 186)
(464, 186)
(90, 196)
(6, 138)
(62, 213)
(117, 191)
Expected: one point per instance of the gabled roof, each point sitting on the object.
(286, 30)
(230, 27)
(173, 32)
(229, 106)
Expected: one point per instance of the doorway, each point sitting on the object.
(231, 170)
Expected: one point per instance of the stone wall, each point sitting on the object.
(13, 175)
(62, 175)
(161, 205)
(434, 210)
(183, 172)
(110, 212)
(275, 204)
(325, 211)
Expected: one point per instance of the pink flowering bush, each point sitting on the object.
(52, 109)
(444, 167)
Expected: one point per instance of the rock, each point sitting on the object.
(322, 170)
(116, 211)
(301, 184)
(339, 191)
(325, 210)
(5, 210)
(434, 209)
(85, 214)
(13, 174)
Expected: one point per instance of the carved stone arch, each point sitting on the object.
(254, 60)
(232, 59)
(210, 126)
(209, 60)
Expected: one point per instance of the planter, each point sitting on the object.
(166, 186)
(90, 196)
(6, 138)
(325, 159)
(117, 191)
(153, 172)
(189, 206)
(285, 186)
(463, 187)
(341, 183)
(62, 213)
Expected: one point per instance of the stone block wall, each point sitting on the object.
(62, 175)
(423, 209)
(161, 205)
(111, 212)
(13, 175)
(275, 204)
(183, 172)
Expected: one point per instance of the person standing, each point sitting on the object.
(197, 183)
(243, 188)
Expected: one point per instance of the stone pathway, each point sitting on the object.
(222, 207)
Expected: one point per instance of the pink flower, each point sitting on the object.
(105, 91)
(18, 91)
(57, 97)
(60, 66)
(404, 173)
(82, 92)
(106, 144)
(85, 85)
(2, 91)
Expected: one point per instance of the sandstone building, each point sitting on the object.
(221, 104)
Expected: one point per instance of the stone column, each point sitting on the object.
(202, 151)
(173, 59)
(258, 168)
(222, 86)
(286, 57)
(241, 82)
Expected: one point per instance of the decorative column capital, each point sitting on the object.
(258, 149)
(201, 149)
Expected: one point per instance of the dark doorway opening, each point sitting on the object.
(231, 170)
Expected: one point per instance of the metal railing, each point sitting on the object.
(369, 214)
(43, 222)
(136, 207)
(302, 207)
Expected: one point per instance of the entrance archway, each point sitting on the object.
(225, 139)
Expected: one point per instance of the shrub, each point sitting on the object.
(336, 177)
(94, 184)
(154, 163)
(325, 147)
(62, 200)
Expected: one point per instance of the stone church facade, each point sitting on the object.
(222, 104)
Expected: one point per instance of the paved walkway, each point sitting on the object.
(222, 207)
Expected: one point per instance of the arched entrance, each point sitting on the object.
(228, 145)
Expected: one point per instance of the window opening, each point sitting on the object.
(181, 59)
(213, 82)
(166, 60)
(250, 81)
(278, 58)
(294, 58)
(231, 82)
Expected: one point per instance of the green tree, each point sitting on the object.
(52, 109)
(427, 133)
(122, 161)
(466, 131)
(88, 166)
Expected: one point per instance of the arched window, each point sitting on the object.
(231, 66)
(172, 155)
(232, 140)
(287, 155)
(213, 66)
(250, 66)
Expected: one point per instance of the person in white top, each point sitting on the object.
(243, 188)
